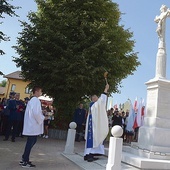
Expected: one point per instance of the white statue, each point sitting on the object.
(165, 12)
(161, 54)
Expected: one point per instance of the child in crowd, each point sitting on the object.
(46, 125)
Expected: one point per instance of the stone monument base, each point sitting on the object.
(138, 158)
(153, 148)
(152, 152)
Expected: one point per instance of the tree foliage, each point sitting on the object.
(69, 44)
(1, 73)
(3, 83)
(8, 9)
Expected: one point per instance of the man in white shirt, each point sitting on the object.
(33, 125)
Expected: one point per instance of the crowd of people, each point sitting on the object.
(121, 118)
(12, 112)
(12, 115)
(115, 117)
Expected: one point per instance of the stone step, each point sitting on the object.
(100, 164)
(145, 163)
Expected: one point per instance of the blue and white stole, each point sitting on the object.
(89, 140)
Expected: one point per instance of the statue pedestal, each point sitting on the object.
(153, 148)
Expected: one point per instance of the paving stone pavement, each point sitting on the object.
(47, 154)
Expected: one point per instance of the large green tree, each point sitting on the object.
(69, 44)
(8, 9)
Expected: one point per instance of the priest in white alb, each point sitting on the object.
(96, 126)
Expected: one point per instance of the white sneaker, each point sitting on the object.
(46, 136)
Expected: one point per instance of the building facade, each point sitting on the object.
(17, 84)
(2, 92)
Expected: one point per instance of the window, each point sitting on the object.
(27, 90)
(13, 87)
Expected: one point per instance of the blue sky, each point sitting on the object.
(138, 16)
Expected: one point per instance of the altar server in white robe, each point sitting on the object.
(33, 125)
(96, 126)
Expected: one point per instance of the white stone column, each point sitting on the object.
(115, 149)
(161, 63)
(69, 147)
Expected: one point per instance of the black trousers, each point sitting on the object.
(5, 120)
(14, 124)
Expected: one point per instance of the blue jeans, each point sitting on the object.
(31, 140)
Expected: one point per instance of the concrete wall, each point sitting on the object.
(58, 134)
